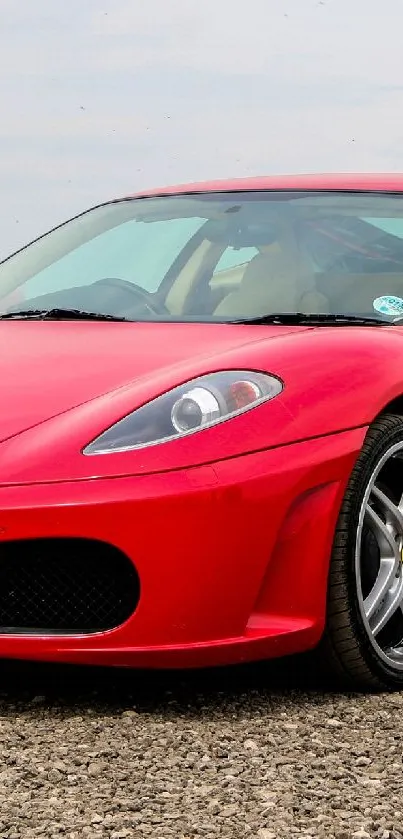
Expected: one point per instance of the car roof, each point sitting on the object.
(389, 182)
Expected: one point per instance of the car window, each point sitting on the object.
(394, 226)
(232, 258)
(354, 244)
(124, 252)
(330, 252)
(231, 267)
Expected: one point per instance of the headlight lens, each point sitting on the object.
(184, 410)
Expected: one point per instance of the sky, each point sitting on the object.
(100, 98)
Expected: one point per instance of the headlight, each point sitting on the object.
(184, 410)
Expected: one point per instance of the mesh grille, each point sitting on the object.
(65, 586)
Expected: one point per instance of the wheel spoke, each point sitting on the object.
(383, 533)
(392, 601)
(383, 583)
(392, 511)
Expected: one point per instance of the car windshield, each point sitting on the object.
(217, 257)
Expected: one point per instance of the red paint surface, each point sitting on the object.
(228, 564)
(388, 182)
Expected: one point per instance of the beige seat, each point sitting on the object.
(272, 282)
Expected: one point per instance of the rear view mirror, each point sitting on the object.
(238, 234)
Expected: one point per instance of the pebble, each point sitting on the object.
(250, 744)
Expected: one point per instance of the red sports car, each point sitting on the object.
(201, 430)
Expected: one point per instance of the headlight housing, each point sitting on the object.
(201, 403)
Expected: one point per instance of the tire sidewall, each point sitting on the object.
(378, 442)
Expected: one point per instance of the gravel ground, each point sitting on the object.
(251, 752)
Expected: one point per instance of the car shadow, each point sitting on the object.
(25, 684)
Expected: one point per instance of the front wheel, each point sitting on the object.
(363, 640)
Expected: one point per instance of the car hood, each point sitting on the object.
(48, 368)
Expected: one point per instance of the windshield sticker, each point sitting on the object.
(389, 305)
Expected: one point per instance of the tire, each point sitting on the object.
(362, 646)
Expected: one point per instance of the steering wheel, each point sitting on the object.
(137, 291)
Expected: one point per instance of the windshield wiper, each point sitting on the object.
(58, 314)
(286, 318)
(299, 318)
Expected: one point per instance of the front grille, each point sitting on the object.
(65, 586)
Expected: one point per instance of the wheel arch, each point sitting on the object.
(395, 406)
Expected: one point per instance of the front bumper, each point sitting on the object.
(232, 557)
